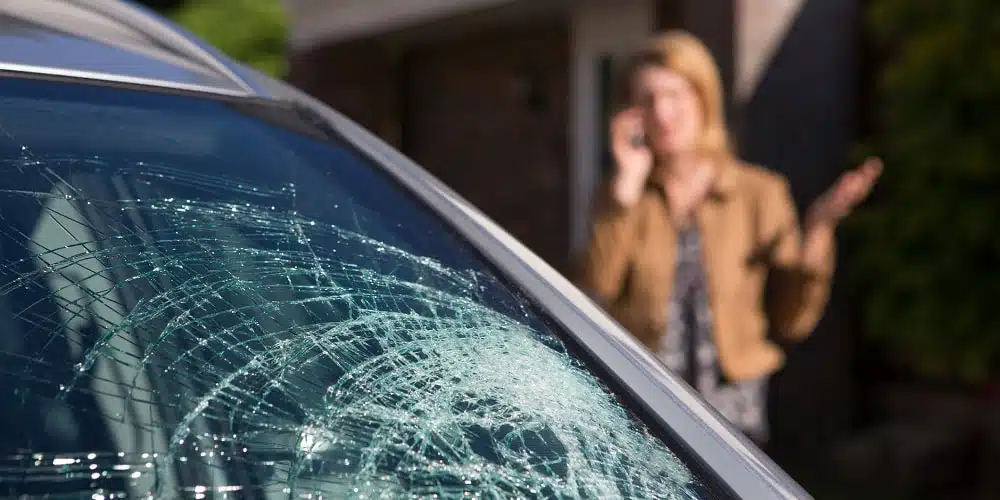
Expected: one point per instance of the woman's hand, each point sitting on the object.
(633, 158)
(850, 190)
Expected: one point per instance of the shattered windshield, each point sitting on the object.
(211, 299)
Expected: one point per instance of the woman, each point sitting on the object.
(685, 236)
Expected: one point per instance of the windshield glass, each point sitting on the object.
(208, 299)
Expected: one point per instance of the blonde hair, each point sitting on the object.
(681, 52)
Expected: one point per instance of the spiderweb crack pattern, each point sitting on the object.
(244, 345)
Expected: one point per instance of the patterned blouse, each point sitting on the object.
(689, 348)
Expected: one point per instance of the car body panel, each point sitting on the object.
(106, 40)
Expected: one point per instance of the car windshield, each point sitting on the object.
(207, 298)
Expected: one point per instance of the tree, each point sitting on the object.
(930, 243)
(249, 31)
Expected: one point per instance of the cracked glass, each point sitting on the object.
(207, 298)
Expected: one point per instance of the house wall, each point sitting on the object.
(479, 100)
(315, 23)
(358, 78)
(487, 114)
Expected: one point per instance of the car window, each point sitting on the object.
(202, 298)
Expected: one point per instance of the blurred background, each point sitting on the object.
(897, 395)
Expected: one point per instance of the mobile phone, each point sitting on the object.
(638, 140)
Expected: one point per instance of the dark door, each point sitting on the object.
(488, 115)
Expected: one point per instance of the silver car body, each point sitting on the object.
(116, 42)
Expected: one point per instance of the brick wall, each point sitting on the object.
(359, 79)
(486, 112)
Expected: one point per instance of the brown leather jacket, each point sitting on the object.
(751, 237)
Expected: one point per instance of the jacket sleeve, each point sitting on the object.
(797, 292)
(606, 259)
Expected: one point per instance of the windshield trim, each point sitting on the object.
(86, 76)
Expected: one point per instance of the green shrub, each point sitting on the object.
(929, 243)
(250, 31)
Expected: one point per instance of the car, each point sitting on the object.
(214, 286)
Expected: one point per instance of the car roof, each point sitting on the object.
(113, 41)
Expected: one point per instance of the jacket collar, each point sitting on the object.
(724, 183)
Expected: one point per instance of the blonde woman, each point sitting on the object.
(685, 235)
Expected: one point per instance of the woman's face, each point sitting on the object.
(672, 114)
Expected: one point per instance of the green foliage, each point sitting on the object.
(250, 31)
(929, 244)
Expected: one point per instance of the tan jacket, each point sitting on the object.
(751, 237)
